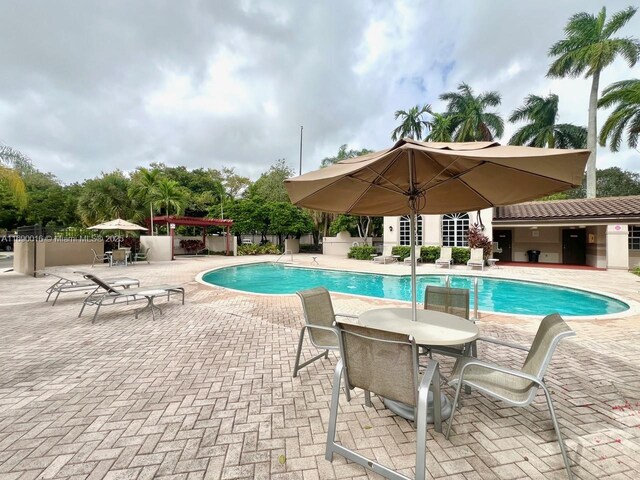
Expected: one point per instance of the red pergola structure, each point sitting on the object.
(195, 222)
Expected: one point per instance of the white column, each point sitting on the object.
(618, 247)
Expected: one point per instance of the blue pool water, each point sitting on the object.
(494, 294)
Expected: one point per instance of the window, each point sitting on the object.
(405, 230)
(634, 237)
(455, 230)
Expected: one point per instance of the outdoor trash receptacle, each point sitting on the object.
(534, 255)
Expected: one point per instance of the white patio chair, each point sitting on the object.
(517, 388)
(386, 364)
(445, 257)
(386, 257)
(141, 255)
(477, 258)
(418, 249)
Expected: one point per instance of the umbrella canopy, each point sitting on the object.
(414, 177)
(117, 224)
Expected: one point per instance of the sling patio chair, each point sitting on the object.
(386, 364)
(64, 284)
(142, 255)
(477, 258)
(445, 257)
(100, 258)
(320, 321)
(106, 294)
(516, 388)
(386, 257)
(454, 301)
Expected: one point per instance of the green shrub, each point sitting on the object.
(362, 252)
(266, 249)
(636, 270)
(460, 255)
(429, 254)
(402, 251)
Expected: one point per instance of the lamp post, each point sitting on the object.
(300, 171)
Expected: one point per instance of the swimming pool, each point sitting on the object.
(494, 294)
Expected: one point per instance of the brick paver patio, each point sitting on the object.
(205, 390)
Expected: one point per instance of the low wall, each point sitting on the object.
(160, 247)
(215, 243)
(30, 256)
(292, 245)
(342, 243)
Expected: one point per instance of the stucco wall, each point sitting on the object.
(341, 244)
(71, 253)
(545, 239)
(160, 247)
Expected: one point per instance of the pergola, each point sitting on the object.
(196, 222)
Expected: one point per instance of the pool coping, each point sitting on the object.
(634, 306)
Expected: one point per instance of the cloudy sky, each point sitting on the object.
(90, 86)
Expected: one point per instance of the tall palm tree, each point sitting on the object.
(469, 119)
(143, 188)
(626, 116)
(441, 128)
(588, 48)
(412, 123)
(105, 198)
(542, 129)
(10, 161)
(170, 195)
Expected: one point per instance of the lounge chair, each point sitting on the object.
(386, 364)
(142, 255)
(64, 284)
(106, 294)
(517, 388)
(386, 257)
(100, 258)
(418, 248)
(477, 258)
(495, 247)
(445, 257)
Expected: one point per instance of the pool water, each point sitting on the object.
(494, 294)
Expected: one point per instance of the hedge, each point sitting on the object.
(362, 252)
(460, 255)
(266, 249)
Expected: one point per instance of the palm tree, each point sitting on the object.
(588, 48)
(412, 123)
(170, 194)
(469, 120)
(143, 188)
(10, 161)
(441, 128)
(626, 116)
(105, 198)
(543, 131)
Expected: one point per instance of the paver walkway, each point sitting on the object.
(205, 390)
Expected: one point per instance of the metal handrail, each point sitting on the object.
(285, 253)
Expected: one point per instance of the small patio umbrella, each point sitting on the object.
(117, 224)
(414, 177)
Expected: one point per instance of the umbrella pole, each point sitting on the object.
(413, 205)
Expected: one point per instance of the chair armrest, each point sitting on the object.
(503, 343)
(508, 371)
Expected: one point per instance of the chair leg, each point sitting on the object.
(296, 365)
(554, 420)
(454, 406)
(333, 412)
(95, 314)
(367, 398)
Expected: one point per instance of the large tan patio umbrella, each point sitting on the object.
(414, 177)
(117, 224)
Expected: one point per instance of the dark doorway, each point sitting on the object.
(503, 237)
(574, 246)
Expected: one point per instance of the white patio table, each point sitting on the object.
(431, 329)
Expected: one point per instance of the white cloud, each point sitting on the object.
(115, 84)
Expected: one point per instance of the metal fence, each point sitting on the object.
(38, 232)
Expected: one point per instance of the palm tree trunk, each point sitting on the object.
(151, 212)
(591, 136)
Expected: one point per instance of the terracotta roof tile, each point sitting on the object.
(581, 208)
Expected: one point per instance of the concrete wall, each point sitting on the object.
(160, 247)
(341, 244)
(50, 253)
(292, 245)
(597, 246)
